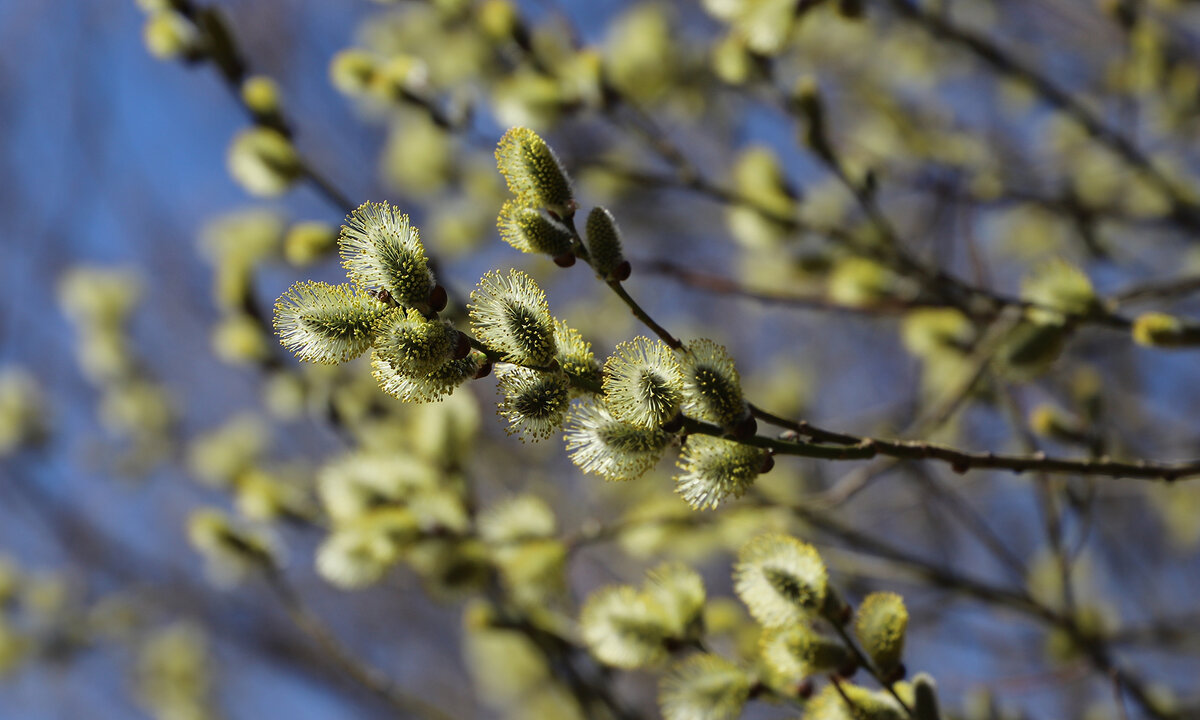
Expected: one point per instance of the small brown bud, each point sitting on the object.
(462, 348)
(484, 370)
(848, 670)
(744, 428)
(565, 260)
(622, 271)
(438, 298)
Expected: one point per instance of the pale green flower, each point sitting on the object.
(599, 443)
(604, 245)
(624, 628)
(712, 388)
(642, 383)
(358, 553)
(531, 231)
(679, 591)
(415, 345)
(575, 357)
(792, 653)
(880, 625)
(382, 250)
(510, 315)
(264, 162)
(864, 705)
(535, 403)
(432, 387)
(327, 324)
(715, 468)
(533, 172)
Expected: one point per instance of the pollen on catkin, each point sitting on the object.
(414, 344)
(531, 231)
(781, 580)
(327, 324)
(381, 249)
(714, 469)
(535, 403)
(575, 358)
(510, 315)
(712, 388)
(599, 443)
(533, 172)
(433, 387)
(643, 383)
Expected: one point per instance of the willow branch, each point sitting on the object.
(961, 461)
(831, 445)
(1159, 290)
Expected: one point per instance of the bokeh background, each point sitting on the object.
(110, 158)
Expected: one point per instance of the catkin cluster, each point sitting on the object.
(619, 418)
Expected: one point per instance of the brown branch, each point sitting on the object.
(962, 461)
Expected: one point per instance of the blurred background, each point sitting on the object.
(138, 384)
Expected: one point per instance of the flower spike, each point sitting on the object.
(623, 628)
(381, 249)
(531, 231)
(712, 389)
(535, 403)
(704, 687)
(433, 387)
(327, 324)
(510, 315)
(714, 469)
(415, 345)
(604, 245)
(533, 172)
(599, 443)
(575, 357)
(642, 383)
